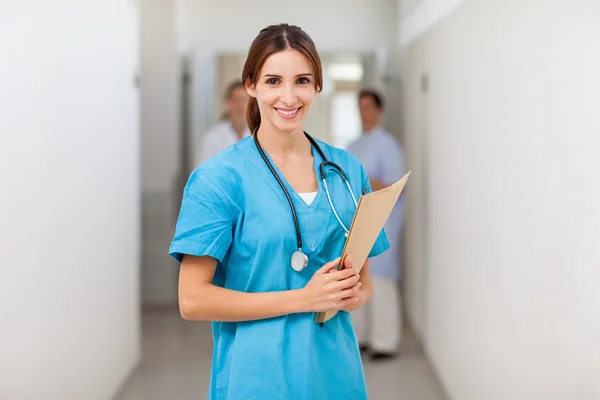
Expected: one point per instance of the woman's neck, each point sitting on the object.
(279, 143)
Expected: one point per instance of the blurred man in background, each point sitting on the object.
(378, 325)
(233, 126)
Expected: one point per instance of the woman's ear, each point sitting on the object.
(250, 88)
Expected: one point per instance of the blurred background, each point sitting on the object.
(103, 108)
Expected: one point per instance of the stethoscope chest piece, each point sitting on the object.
(299, 260)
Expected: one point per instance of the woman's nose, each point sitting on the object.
(288, 97)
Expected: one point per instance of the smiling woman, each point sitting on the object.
(287, 72)
(246, 211)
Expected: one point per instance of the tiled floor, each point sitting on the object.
(176, 365)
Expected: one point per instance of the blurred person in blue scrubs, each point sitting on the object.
(259, 243)
(378, 326)
(232, 127)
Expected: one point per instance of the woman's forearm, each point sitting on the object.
(367, 289)
(213, 303)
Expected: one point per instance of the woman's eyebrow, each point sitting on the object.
(279, 76)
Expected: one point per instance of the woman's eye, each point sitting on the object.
(303, 81)
(272, 81)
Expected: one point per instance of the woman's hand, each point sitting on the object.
(361, 295)
(330, 289)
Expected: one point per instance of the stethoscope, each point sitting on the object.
(299, 260)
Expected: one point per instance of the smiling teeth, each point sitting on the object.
(288, 112)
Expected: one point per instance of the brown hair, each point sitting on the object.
(270, 40)
(373, 94)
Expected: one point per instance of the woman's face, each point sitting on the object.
(285, 90)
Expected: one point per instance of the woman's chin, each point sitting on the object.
(289, 126)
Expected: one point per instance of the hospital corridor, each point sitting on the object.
(179, 176)
(172, 348)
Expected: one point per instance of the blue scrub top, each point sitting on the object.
(234, 210)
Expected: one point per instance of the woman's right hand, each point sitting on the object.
(330, 289)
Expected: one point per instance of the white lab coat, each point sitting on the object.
(218, 138)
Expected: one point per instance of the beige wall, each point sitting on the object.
(69, 209)
(231, 25)
(503, 206)
(160, 149)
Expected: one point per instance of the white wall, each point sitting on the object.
(419, 16)
(69, 203)
(231, 25)
(511, 124)
(161, 157)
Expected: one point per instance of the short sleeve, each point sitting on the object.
(381, 243)
(205, 223)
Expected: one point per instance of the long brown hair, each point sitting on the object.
(270, 40)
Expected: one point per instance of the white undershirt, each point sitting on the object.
(308, 197)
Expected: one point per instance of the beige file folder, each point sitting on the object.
(373, 211)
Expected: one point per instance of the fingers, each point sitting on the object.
(341, 275)
(336, 289)
(347, 303)
(340, 304)
(351, 292)
(347, 263)
(340, 296)
(329, 266)
(350, 297)
(344, 283)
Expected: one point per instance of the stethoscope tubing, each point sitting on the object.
(323, 174)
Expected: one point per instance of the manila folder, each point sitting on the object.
(373, 211)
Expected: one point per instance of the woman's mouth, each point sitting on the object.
(288, 113)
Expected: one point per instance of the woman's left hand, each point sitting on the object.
(362, 293)
(362, 299)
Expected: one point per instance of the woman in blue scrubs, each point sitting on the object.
(259, 242)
